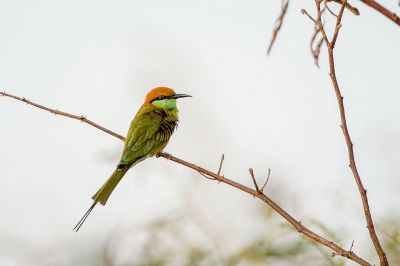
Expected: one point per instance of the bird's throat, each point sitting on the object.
(166, 104)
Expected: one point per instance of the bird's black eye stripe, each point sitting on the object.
(162, 97)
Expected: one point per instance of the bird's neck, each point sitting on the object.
(169, 107)
(172, 114)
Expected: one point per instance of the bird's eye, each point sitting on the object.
(161, 97)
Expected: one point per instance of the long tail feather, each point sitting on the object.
(104, 193)
(83, 219)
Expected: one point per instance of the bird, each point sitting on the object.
(148, 134)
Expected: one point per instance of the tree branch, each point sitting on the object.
(383, 10)
(278, 24)
(81, 118)
(330, 46)
(213, 176)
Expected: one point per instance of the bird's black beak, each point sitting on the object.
(180, 95)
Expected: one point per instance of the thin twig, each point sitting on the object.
(220, 164)
(315, 51)
(278, 24)
(331, 45)
(349, 7)
(254, 181)
(351, 247)
(296, 224)
(56, 112)
(266, 181)
(329, 10)
(303, 11)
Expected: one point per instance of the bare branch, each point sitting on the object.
(278, 24)
(338, 25)
(315, 51)
(254, 181)
(296, 224)
(303, 11)
(327, 8)
(330, 47)
(349, 7)
(56, 112)
(266, 181)
(383, 10)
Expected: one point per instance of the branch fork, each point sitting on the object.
(259, 191)
(352, 164)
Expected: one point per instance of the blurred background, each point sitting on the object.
(99, 58)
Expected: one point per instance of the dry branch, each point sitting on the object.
(278, 24)
(213, 176)
(330, 47)
(383, 10)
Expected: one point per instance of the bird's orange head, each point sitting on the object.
(161, 93)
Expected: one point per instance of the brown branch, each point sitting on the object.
(327, 8)
(349, 7)
(254, 181)
(81, 118)
(266, 181)
(331, 45)
(296, 224)
(383, 10)
(278, 24)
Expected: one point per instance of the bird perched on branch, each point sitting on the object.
(148, 135)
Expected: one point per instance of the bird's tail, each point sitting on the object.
(104, 192)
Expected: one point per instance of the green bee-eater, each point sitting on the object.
(148, 135)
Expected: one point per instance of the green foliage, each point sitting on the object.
(390, 230)
(175, 240)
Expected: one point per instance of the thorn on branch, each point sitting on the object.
(351, 247)
(82, 118)
(220, 164)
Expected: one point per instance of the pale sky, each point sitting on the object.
(99, 58)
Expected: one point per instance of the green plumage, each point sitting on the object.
(148, 135)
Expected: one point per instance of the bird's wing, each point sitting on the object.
(142, 139)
